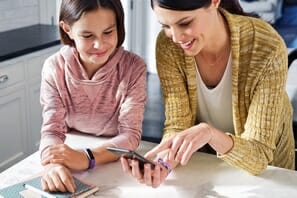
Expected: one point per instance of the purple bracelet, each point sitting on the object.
(164, 164)
(91, 157)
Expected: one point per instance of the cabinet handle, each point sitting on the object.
(3, 78)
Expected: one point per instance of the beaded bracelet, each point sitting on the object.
(91, 157)
(164, 164)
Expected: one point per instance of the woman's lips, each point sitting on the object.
(187, 45)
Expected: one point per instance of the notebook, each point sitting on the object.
(19, 190)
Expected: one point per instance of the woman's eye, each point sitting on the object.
(165, 26)
(185, 24)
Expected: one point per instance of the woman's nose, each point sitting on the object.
(176, 36)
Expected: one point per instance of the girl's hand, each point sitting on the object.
(149, 176)
(66, 156)
(57, 178)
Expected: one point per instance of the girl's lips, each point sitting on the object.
(102, 53)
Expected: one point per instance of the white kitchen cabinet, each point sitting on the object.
(13, 128)
(20, 110)
(34, 116)
(34, 64)
(12, 113)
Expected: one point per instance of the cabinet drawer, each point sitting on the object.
(11, 73)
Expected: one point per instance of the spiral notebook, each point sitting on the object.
(19, 190)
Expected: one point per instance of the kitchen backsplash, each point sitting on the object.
(18, 13)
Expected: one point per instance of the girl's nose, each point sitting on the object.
(96, 44)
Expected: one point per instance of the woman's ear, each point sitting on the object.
(66, 28)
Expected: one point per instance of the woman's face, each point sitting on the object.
(95, 36)
(191, 30)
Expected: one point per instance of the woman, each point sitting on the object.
(223, 76)
(93, 86)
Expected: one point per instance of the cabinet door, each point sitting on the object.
(34, 111)
(13, 128)
(34, 66)
(35, 116)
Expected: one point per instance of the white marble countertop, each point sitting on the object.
(204, 176)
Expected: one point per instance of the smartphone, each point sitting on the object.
(131, 155)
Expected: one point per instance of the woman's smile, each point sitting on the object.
(187, 45)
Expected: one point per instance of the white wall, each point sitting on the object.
(18, 13)
(47, 11)
(143, 33)
(127, 9)
(153, 27)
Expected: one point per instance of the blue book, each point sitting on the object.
(35, 184)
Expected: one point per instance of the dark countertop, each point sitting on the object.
(21, 41)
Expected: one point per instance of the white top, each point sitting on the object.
(215, 105)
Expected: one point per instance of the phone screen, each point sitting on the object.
(131, 155)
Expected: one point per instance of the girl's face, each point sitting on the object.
(95, 36)
(191, 30)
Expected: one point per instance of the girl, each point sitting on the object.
(92, 85)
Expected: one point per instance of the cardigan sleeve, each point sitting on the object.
(254, 149)
(173, 82)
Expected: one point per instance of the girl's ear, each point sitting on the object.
(216, 3)
(66, 28)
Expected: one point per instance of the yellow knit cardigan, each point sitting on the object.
(262, 113)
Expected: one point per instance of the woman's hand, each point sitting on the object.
(182, 145)
(66, 156)
(57, 178)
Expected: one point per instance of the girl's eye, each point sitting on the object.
(108, 32)
(87, 36)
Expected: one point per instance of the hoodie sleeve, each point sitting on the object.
(132, 109)
(53, 128)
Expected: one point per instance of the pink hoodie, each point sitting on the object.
(110, 104)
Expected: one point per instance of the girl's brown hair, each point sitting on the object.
(72, 10)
